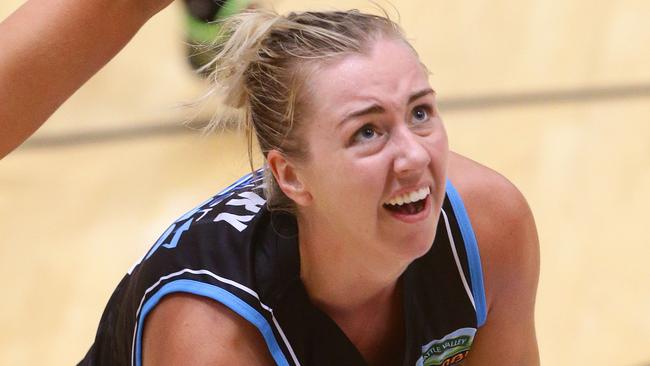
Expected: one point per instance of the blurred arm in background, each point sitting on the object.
(49, 48)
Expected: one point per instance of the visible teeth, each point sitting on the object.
(410, 197)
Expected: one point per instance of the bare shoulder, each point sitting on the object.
(485, 190)
(507, 238)
(185, 329)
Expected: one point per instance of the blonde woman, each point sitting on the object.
(363, 241)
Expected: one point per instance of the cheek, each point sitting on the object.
(351, 186)
(361, 178)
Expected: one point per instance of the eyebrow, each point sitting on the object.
(420, 94)
(376, 108)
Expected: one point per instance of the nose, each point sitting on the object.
(411, 155)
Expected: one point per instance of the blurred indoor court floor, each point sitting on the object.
(553, 94)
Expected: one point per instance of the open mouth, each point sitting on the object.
(409, 203)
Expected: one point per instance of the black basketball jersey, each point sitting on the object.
(233, 250)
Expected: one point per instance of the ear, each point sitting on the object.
(288, 178)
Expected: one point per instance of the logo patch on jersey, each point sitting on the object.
(450, 350)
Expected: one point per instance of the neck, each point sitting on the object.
(342, 275)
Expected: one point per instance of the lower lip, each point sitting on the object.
(415, 217)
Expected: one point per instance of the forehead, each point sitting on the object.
(388, 74)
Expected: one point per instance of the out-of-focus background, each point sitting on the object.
(553, 94)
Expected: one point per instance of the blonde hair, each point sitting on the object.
(261, 69)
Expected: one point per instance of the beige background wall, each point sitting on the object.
(553, 94)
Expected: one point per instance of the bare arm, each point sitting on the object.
(49, 48)
(509, 247)
(189, 330)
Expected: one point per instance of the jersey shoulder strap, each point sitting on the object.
(472, 251)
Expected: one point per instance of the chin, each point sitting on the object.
(414, 245)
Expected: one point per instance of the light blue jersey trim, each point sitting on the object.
(240, 182)
(224, 297)
(473, 256)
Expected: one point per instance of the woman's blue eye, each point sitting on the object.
(365, 133)
(420, 114)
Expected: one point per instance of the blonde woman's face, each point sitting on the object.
(375, 140)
